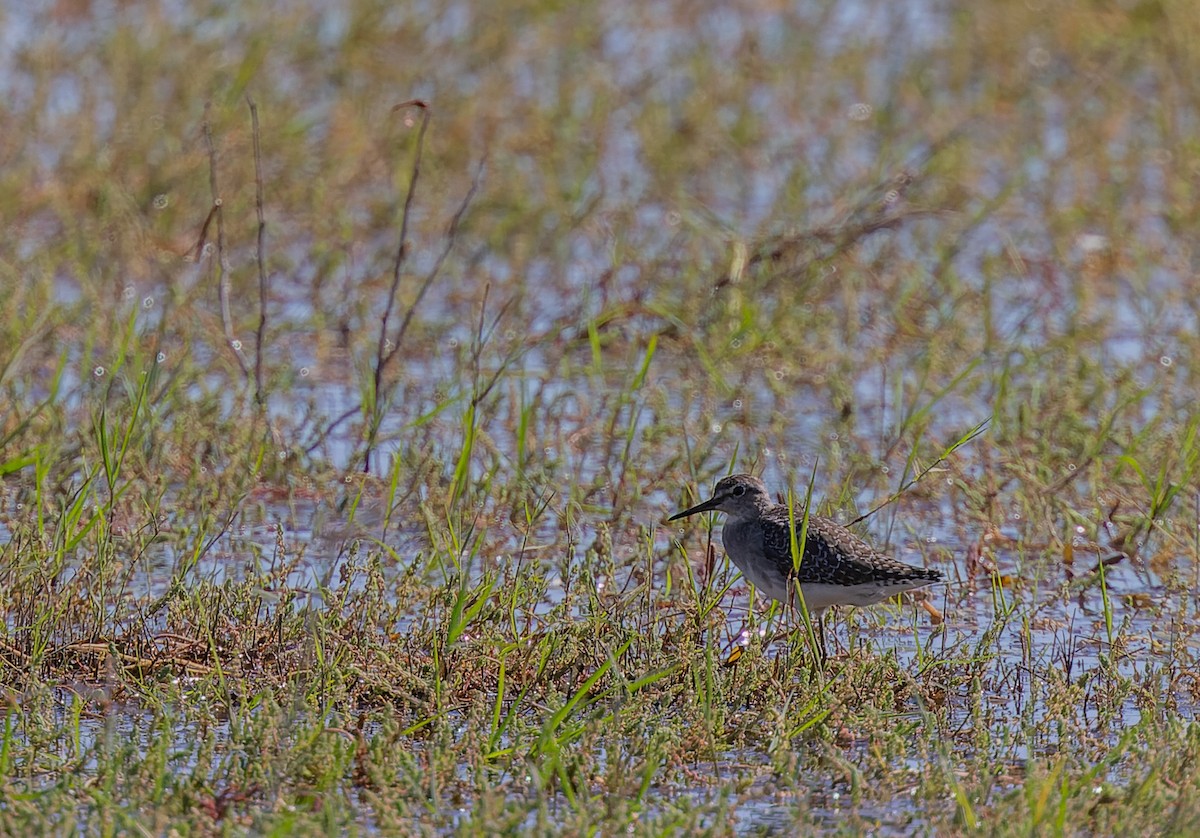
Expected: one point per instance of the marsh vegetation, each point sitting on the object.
(337, 438)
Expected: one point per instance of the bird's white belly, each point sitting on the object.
(765, 576)
(819, 596)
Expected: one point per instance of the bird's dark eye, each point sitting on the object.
(738, 491)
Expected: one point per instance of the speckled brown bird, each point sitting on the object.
(836, 568)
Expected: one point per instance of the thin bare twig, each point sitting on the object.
(222, 277)
(259, 393)
(332, 426)
(451, 238)
(382, 355)
(479, 393)
(385, 353)
(402, 249)
(203, 239)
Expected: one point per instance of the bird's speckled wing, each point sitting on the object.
(832, 554)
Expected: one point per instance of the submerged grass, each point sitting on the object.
(339, 429)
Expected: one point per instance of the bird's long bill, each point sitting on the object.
(711, 503)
